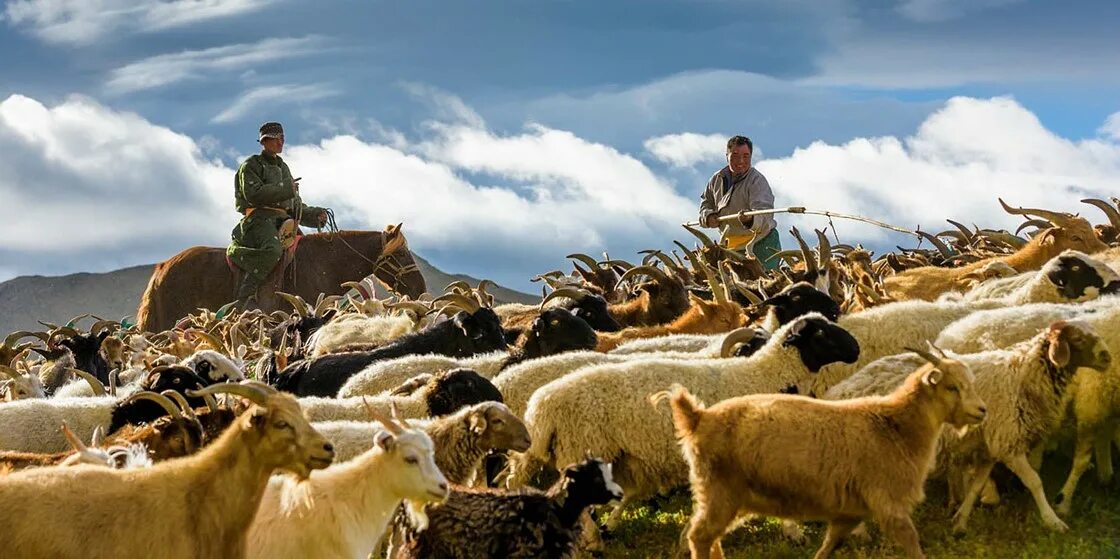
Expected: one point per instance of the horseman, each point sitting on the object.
(268, 197)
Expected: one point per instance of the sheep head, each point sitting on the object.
(1073, 344)
(498, 428)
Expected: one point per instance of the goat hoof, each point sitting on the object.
(860, 534)
(1063, 509)
(1055, 524)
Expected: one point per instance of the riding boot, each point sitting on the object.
(247, 293)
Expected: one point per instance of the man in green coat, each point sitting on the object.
(266, 195)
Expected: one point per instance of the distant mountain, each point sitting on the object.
(27, 299)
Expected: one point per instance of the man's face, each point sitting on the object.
(739, 159)
(273, 145)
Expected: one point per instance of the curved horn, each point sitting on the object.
(811, 268)
(938, 243)
(708, 242)
(385, 420)
(1039, 223)
(114, 381)
(325, 304)
(1109, 210)
(1057, 218)
(298, 304)
(252, 392)
(713, 284)
(14, 337)
(462, 301)
(163, 401)
(73, 322)
(357, 286)
(824, 249)
(73, 439)
(618, 262)
(590, 262)
(104, 324)
(928, 355)
(483, 297)
(725, 282)
(569, 292)
(664, 258)
(182, 402)
(787, 255)
(750, 295)
(415, 306)
(457, 286)
(646, 270)
(733, 337)
(94, 383)
(965, 231)
(211, 339)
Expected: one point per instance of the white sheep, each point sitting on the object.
(207, 363)
(446, 392)
(343, 511)
(1082, 278)
(28, 423)
(1023, 386)
(352, 329)
(603, 409)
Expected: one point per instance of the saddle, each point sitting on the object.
(283, 272)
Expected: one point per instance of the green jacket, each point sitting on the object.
(264, 182)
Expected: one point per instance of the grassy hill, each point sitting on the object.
(27, 299)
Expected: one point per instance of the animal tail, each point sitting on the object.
(685, 407)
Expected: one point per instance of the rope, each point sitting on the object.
(383, 260)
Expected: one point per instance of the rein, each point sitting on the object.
(383, 260)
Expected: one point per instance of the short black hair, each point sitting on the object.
(736, 141)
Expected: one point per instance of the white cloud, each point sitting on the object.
(942, 10)
(959, 161)
(91, 186)
(272, 94)
(164, 69)
(85, 21)
(687, 149)
(1111, 127)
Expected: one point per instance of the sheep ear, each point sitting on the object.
(478, 422)
(1059, 352)
(385, 440)
(932, 377)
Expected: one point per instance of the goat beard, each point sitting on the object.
(417, 515)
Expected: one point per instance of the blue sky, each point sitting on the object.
(509, 133)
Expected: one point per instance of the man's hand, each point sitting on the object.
(322, 218)
(295, 184)
(712, 220)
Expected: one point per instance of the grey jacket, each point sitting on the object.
(751, 192)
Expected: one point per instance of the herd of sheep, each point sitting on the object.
(829, 390)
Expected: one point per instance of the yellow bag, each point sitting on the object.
(288, 231)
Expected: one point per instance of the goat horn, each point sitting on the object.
(928, 354)
(545, 277)
(114, 380)
(357, 286)
(73, 439)
(181, 401)
(1108, 209)
(811, 268)
(73, 322)
(733, 337)
(787, 255)
(104, 324)
(417, 307)
(713, 284)
(647, 270)
(462, 301)
(325, 304)
(457, 286)
(211, 339)
(664, 258)
(750, 295)
(250, 390)
(708, 242)
(957, 235)
(163, 401)
(10, 372)
(968, 236)
(480, 292)
(1057, 218)
(1039, 223)
(938, 243)
(94, 383)
(385, 420)
(620, 263)
(569, 292)
(824, 249)
(725, 283)
(14, 337)
(591, 262)
(298, 304)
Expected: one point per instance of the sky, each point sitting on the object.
(507, 134)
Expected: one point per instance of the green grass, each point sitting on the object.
(1010, 529)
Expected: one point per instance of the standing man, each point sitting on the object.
(267, 195)
(736, 188)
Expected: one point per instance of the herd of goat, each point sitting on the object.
(828, 390)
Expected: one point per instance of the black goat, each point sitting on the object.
(86, 349)
(169, 377)
(800, 299)
(465, 334)
(485, 523)
(556, 330)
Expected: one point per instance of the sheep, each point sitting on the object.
(359, 329)
(793, 301)
(80, 453)
(342, 511)
(1077, 276)
(796, 457)
(1023, 386)
(24, 422)
(488, 523)
(20, 386)
(442, 394)
(517, 384)
(471, 331)
(215, 493)
(208, 364)
(1068, 232)
(602, 409)
(553, 332)
(461, 439)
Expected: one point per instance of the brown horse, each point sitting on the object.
(200, 277)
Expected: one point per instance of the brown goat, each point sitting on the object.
(800, 458)
(197, 507)
(702, 317)
(1068, 232)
